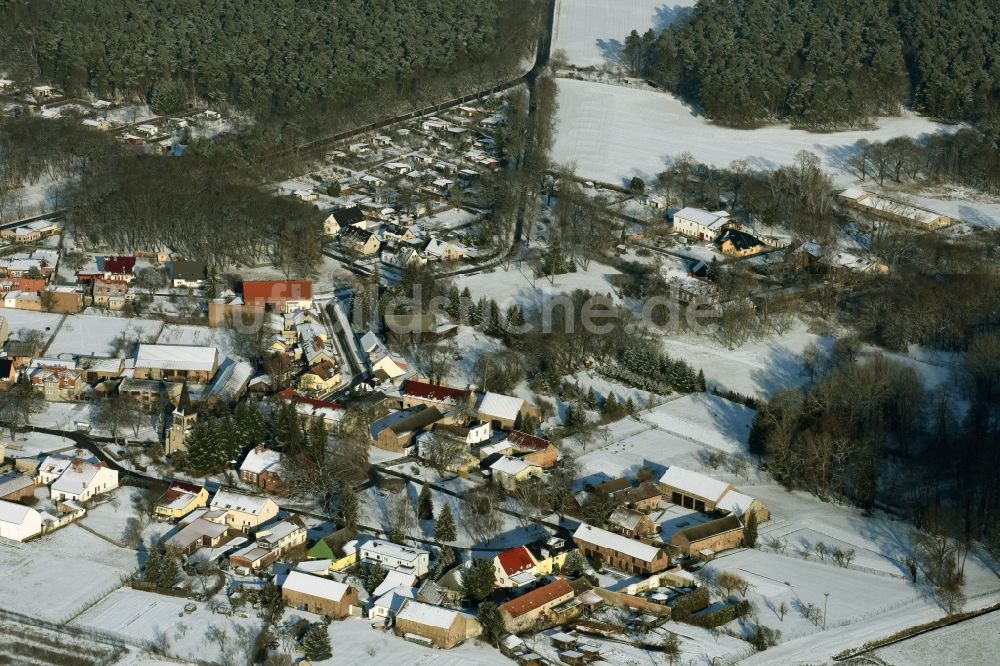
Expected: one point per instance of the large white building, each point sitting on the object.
(393, 556)
(18, 522)
(82, 480)
(701, 224)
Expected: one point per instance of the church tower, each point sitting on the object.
(181, 422)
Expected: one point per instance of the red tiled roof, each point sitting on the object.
(516, 560)
(119, 265)
(537, 598)
(425, 391)
(522, 440)
(178, 489)
(292, 395)
(276, 291)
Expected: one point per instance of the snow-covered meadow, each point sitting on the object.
(591, 32)
(612, 133)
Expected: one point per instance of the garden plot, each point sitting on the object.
(20, 322)
(95, 335)
(854, 595)
(974, 642)
(612, 133)
(110, 518)
(30, 444)
(649, 448)
(355, 642)
(222, 339)
(158, 619)
(518, 286)
(591, 32)
(56, 576)
(28, 644)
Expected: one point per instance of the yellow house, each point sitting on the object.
(509, 472)
(244, 511)
(181, 499)
(321, 378)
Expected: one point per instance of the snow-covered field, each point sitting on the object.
(974, 642)
(157, 618)
(221, 338)
(592, 32)
(19, 322)
(518, 286)
(56, 576)
(612, 133)
(94, 335)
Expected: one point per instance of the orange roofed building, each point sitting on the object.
(538, 605)
(280, 296)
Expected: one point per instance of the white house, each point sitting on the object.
(51, 468)
(18, 522)
(82, 480)
(393, 556)
(701, 224)
(388, 604)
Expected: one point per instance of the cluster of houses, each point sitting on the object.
(72, 481)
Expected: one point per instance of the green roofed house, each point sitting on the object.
(321, 551)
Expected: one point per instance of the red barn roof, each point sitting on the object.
(537, 598)
(516, 560)
(119, 265)
(276, 291)
(433, 392)
(522, 440)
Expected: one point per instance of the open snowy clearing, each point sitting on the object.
(591, 32)
(57, 575)
(19, 322)
(204, 336)
(94, 335)
(612, 133)
(974, 642)
(149, 617)
(518, 286)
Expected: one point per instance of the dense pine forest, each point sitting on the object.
(829, 63)
(265, 56)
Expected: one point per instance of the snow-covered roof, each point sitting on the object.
(261, 460)
(616, 542)
(694, 483)
(393, 550)
(394, 599)
(236, 501)
(77, 477)
(734, 502)
(54, 465)
(394, 579)
(626, 518)
(703, 217)
(490, 449)
(512, 466)
(501, 406)
(370, 342)
(427, 615)
(176, 357)
(316, 586)
(14, 513)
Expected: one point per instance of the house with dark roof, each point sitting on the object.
(739, 243)
(358, 240)
(343, 217)
(121, 268)
(397, 431)
(416, 393)
(8, 373)
(631, 523)
(188, 274)
(709, 538)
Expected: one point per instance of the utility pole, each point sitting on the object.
(826, 598)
